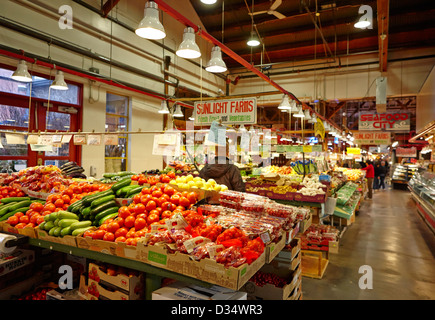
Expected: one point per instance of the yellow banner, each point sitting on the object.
(353, 151)
(319, 129)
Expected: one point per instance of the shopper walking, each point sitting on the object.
(370, 175)
(383, 170)
(377, 166)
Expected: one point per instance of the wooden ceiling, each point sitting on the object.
(317, 29)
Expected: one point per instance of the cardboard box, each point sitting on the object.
(97, 291)
(292, 232)
(15, 260)
(207, 270)
(183, 291)
(131, 285)
(28, 231)
(291, 250)
(273, 249)
(269, 291)
(68, 295)
(297, 291)
(66, 240)
(330, 246)
(289, 264)
(305, 224)
(102, 246)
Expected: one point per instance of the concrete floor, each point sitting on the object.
(389, 236)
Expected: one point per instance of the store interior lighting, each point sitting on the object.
(150, 26)
(307, 115)
(395, 144)
(59, 82)
(428, 138)
(188, 48)
(294, 107)
(163, 108)
(22, 74)
(300, 113)
(253, 40)
(285, 103)
(178, 113)
(216, 64)
(209, 1)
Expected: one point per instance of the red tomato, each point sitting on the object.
(146, 191)
(112, 227)
(175, 199)
(166, 214)
(37, 206)
(192, 197)
(184, 202)
(140, 223)
(136, 198)
(99, 234)
(20, 225)
(139, 208)
(157, 193)
(153, 218)
(121, 232)
(129, 221)
(123, 212)
(151, 205)
(13, 220)
(120, 239)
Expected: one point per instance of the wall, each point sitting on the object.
(426, 102)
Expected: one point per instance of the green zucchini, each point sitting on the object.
(103, 207)
(78, 232)
(5, 208)
(48, 225)
(13, 199)
(106, 212)
(136, 189)
(41, 225)
(110, 216)
(120, 184)
(126, 173)
(78, 203)
(57, 231)
(109, 175)
(87, 200)
(67, 215)
(102, 200)
(65, 231)
(66, 222)
(11, 213)
(120, 193)
(86, 211)
(20, 204)
(51, 231)
(80, 224)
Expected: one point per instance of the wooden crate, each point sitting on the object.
(313, 264)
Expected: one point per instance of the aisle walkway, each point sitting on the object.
(390, 236)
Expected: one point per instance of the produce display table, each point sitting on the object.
(153, 275)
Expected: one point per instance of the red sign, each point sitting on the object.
(399, 121)
(406, 152)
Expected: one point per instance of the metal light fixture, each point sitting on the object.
(242, 127)
(253, 40)
(188, 48)
(208, 1)
(150, 26)
(294, 108)
(307, 115)
(22, 74)
(163, 108)
(300, 113)
(216, 64)
(178, 113)
(285, 103)
(313, 119)
(59, 82)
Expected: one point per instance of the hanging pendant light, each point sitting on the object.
(22, 74)
(285, 103)
(300, 113)
(313, 119)
(208, 1)
(59, 82)
(242, 128)
(253, 40)
(307, 115)
(216, 64)
(188, 48)
(294, 108)
(150, 26)
(163, 108)
(178, 113)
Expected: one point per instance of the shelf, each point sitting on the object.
(153, 275)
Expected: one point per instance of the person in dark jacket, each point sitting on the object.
(224, 172)
(377, 166)
(383, 170)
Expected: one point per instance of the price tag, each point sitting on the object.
(265, 237)
(307, 149)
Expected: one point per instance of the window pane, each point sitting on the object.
(116, 123)
(115, 165)
(117, 104)
(14, 116)
(57, 163)
(118, 151)
(7, 166)
(12, 149)
(63, 151)
(58, 121)
(39, 88)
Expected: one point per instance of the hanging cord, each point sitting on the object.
(30, 95)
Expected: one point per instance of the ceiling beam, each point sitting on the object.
(383, 22)
(108, 6)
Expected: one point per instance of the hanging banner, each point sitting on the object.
(319, 129)
(371, 138)
(232, 111)
(381, 94)
(353, 151)
(398, 121)
(406, 152)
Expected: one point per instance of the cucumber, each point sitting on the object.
(102, 200)
(11, 213)
(110, 216)
(80, 225)
(120, 184)
(41, 225)
(87, 200)
(74, 205)
(123, 191)
(106, 212)
(65, 231)
(103, 207)
(132, 195)
(48, 225)
(134, 190)
(13, 199)
(5, 208)
(20, 204)
(108, 175)
(67, 215)
(86, 211)
(78, 232)
(57, 231)
(66, 222)
(56, 222)
(51, 231)
(53, 216)
(126, 173)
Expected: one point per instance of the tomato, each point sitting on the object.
(165, 197)
(40, 220)
(129, 221)
(157, 193)
(13, 220)
(34, 218)
(184, 202)
(66, 198)
(153, 218)
(49, 207)
(120, 239)
(20, 225)
(169, 190)
(99, 234)
(145, 198)
(59, 203)
(145, 191)
(130, 233)
(120, 221)
(112, 227)
(140, 233)
(136, 198)
(192, 197)
(175, 199)
(142, 180)
(37, 206)
(135, 177)
(140, 223)
(89, 234)
(123, 212)
(171, 174)
(121, 232)
(139, 208)
(151, 205)
(166, 214)
(19, 215)
(109, 236)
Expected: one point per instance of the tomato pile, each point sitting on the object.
(9, 192)
(151, 206)
(40, 294)
(261, 278)
(153, 180)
